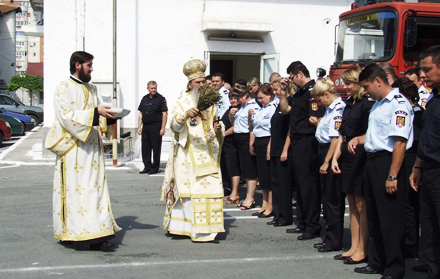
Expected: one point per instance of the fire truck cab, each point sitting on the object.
(391, 32)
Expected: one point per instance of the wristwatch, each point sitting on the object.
(391, 178)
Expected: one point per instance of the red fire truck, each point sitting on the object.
(391, 32)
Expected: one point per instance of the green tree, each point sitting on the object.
(25, 81)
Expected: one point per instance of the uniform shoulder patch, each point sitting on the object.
(400, 121)
(400, 118)
(338, 121)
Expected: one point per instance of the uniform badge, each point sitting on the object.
(337, 125)
(400, 121)
(314, 106)
(193, 122)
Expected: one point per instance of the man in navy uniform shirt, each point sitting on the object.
(427, 166)
(151, 125)
(388, 135)
(304, 114)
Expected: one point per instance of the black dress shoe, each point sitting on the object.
(145, 170)
(258, 213)
(366, 270)
(420, 268)
(318, 245)
(340, 257)
(294, 230)
(104, 246)
(271, 223)
(307, 236)
(281, 224)
(386, 277)
(262, 215)
(325, 248)
(351, 261)
(153, 171)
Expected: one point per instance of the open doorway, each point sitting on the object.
(243, 65)
(235, 66)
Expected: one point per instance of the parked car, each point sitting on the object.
(5, 131)
(10, 104)
(29, 122)
(16, 125)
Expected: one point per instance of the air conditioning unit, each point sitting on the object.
(2, 81)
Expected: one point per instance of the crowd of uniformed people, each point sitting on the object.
(297, 136)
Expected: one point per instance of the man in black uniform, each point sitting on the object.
(427, 166)
(151, 125)
(304, 148)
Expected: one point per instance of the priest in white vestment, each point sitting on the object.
(82, 215)
(192, 186)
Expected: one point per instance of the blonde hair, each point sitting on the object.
(253, 81)
(322, 86)
(290, 88)
(352, 76)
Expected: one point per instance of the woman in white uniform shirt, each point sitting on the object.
(248, 165)
(327, 134)
(259, 143)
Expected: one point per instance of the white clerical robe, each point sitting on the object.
(81, 203)
(192, 186)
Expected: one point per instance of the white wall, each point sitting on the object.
(156, 37)
(7, 46)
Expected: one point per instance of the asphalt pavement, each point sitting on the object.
(248, 249)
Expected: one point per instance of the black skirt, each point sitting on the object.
(230, 158)
(248, 164)
(352, 168)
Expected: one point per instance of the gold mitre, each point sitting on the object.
(194, 69)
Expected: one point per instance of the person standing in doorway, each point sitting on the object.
(153, 113)
(218, 81)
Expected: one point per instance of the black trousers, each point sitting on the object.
(281, 190)
(263, 165)
(334, 204)
(430, 218)
(386, 216)
(308, 191)
(151, 141)
(412, 209)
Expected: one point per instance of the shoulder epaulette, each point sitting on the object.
(399, 98)
(417, 108)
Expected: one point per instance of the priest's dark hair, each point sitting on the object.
(80, 57)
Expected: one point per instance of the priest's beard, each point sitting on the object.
(83, 76)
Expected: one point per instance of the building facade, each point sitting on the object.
(155, 38)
